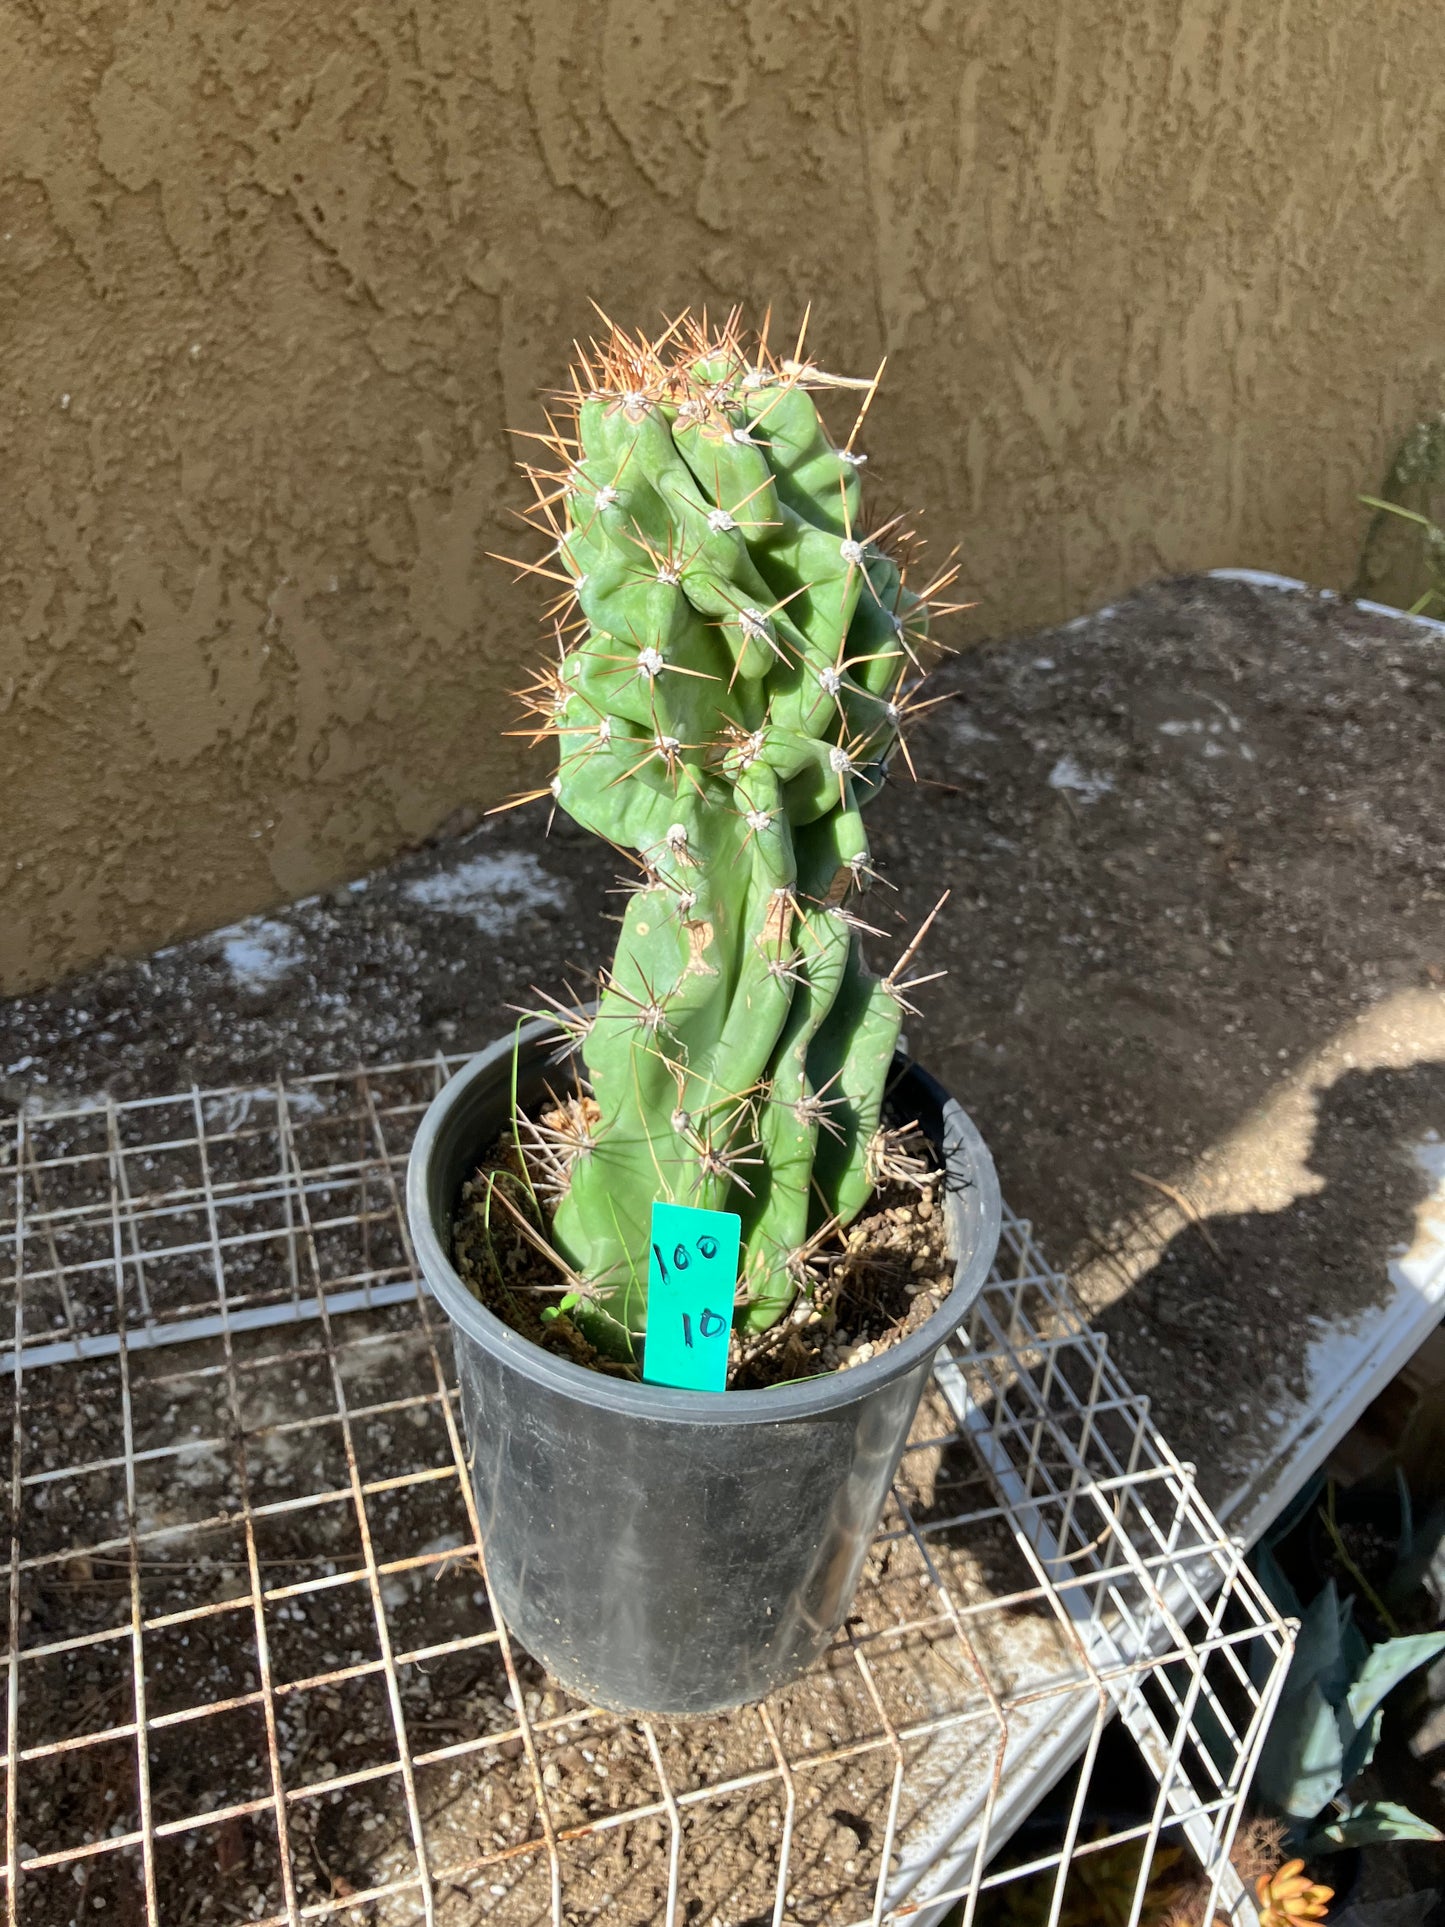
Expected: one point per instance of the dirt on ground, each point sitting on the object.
(1196, 1002)
(1196, 956)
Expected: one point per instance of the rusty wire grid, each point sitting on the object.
(254, 1672)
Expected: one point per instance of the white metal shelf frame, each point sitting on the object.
(186, 1268)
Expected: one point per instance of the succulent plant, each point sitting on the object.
(1327, 1723)
(735, 656)
(1289, 1895)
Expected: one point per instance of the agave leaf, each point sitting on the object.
(1422, 1555)
(1302, 1503)
(1282, 1597)
(1300, 1766)
(1281, 1594)
(1407, 1513)
(1359, 1745)
(1205, 1727)
(1387, 1665)
(1320, 1650)
(1367, 1825)
(1259, 1663)
(1354, 1655)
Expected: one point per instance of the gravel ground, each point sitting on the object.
(1195, 944)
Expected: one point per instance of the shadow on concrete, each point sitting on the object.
(1230, 1298)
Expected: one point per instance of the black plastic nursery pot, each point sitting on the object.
(665, 1551)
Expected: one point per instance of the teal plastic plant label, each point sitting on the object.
(692, 1270)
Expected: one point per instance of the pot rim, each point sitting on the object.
(967, 1161)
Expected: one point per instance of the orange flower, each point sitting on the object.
(1288, 1896)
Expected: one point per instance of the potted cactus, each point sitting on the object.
(735, 659)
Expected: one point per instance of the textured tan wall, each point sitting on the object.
(1159, 283)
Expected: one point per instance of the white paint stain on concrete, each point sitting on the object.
(493, 889)
(259, 951)
(1219, 735)
(1087, 785)
(1099, 615)
(963, 730)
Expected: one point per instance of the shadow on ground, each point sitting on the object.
(1225, 1313)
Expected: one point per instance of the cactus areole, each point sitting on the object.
(735, 656)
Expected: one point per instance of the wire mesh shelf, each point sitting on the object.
(254, 1672)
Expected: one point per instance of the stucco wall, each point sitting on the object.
(1159, 284)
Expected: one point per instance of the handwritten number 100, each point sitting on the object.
(706, 1248)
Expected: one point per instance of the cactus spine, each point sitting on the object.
(735, 657)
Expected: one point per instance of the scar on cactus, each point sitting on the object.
(737, 654)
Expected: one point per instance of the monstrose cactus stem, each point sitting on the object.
(735, 656)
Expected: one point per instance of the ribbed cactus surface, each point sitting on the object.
(735, 657)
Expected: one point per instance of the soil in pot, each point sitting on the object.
(875, 1283)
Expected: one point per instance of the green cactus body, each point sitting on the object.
(729, 699)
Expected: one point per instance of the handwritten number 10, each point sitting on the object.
(707, 1330)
